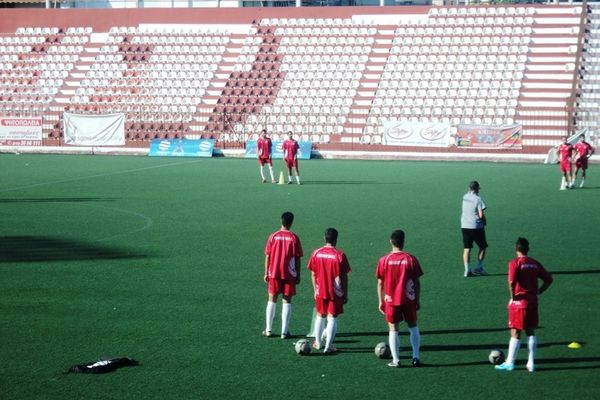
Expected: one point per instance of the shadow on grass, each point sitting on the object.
(424, 332)
(36, 249)
(576, 272)
(349, 183)
(59, 200)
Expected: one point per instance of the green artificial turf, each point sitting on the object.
(161, 259)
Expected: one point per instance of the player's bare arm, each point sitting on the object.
(266, 277)
(545, 286)
(417, 282)
(380, 296)
(298, 270)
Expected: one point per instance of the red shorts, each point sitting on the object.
(565, 166)
(280, 286)
(406, 312)
(265, 160)
(325, 306)
(291, 163)
(522, 318)
(581, 163)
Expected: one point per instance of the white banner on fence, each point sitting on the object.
(426, 134)
(94, 130)
(17, 131)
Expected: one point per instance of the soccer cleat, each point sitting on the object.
(315, 346)
(273, 181)
(416, 362)
(264, 181)
(289, 182)
(480, 272)
(267, 333)
(330, 351)
(531, 367)
(394, 364)
(468, 274)
(286, 335)
(505, 367)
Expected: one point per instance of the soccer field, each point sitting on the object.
(161, 260)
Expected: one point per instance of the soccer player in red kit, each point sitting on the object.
(523, 275)
(282, 272)
(263, 150)
(565, 157)
(290, 157)
(398, 290)
(583, 151)
(330, 268)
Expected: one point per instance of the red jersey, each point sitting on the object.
(398, 272)
(565, 151)
(329, 265)
(282, 248)
(584, 150)
(290, 149)
(263, 147)
(523, 275)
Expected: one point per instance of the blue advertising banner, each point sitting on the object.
(277, 153)
(182, 147)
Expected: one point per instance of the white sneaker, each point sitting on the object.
(531, 367)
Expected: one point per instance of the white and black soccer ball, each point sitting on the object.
(302, 347)
(496, 357)
(382, 350)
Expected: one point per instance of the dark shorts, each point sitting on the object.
(474, 235)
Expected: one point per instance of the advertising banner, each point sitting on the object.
(18, 131)
(94, 130)
(182, 147)
(422, 134)
(277, 151)
(490, 137)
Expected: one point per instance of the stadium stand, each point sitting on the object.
(333, 79)
(588, 111)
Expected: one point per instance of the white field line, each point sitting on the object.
(83, 178)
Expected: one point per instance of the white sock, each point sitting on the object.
(531, 346)
(271, 307)
(319, 330)
(331, 329)
(394, 343)
(289, 178)
(513, 348)
(271, 172)
(466, 269)
(262, 173)
(563, 183)
(582, 182)
(286, 313)
(415, 340)
(298, 179)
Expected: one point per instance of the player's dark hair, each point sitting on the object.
(263, 132)
(287, 219)
(331, 235)
(397, 238)
(522, 245)
(474, 186)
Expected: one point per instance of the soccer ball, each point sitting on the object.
(496, 357)
(382, 350)
(302, 347)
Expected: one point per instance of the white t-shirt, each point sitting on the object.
(470, 214)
